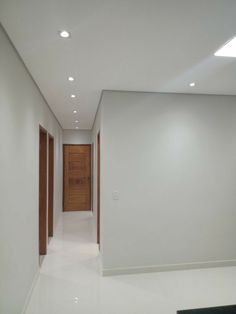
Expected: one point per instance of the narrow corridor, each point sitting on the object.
(69, 273)
(70, 280)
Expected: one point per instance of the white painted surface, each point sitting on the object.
(142, 45)
(70, 281)
(173, 159)
(22, 109)
(76, 137)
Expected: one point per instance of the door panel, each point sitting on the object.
(77, 177)
(50, 185)
(98, 189)
(42, 192)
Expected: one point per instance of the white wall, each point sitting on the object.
(22, 109)
(76, 136)
(172, 158)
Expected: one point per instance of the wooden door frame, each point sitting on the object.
(98, 187)
(42, 191)
(50, 184)
(92, 175)
(63, 198)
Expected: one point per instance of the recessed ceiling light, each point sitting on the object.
(71, 79)
(75, 111)
(76, 121)
(64, 34)
(72, 96)
(192, 84)
(228, 49)
(76, 127)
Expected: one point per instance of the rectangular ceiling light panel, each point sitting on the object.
(228, 50)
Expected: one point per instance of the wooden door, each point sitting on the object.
(50, 184)
(42, 191)
(98, 189)
(77, 177)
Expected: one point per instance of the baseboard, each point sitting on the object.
(167, 267)
(35, 280)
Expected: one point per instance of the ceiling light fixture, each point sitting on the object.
(72, 96)
(75, 111)
(64, 34)
(228, 49)
(76, 299)
(192, 84)
(71, 79)
(76, 121)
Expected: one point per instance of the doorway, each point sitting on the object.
(77, 177)
(98, 188)
(42, 191)
(50, 184)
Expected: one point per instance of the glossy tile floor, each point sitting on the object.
(70, 281)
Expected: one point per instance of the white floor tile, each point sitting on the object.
(70, 281)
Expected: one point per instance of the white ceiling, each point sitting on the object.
(141, 45)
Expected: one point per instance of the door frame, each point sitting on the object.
(92, 176)
(98, 187)
(90, 190)
(43, 190)
(50, 185)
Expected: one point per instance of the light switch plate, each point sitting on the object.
(116, 195)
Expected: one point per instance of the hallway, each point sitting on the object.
(125, 108)
(70, 282)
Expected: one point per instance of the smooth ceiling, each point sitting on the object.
(148, 45)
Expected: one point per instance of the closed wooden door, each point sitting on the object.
(42, 191)
(77, 177)
(98, 189)
(50, 184)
